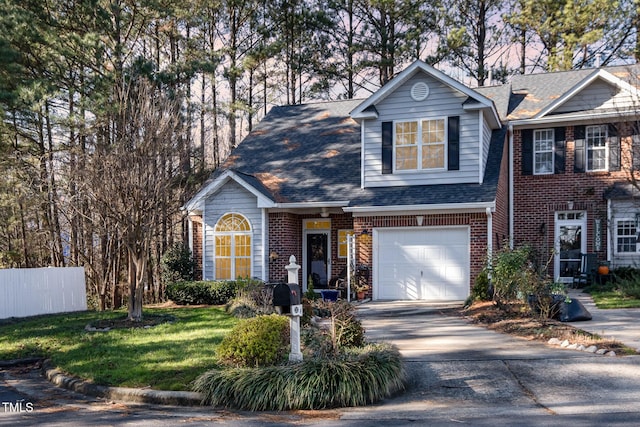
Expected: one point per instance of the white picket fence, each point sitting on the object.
(32, 291)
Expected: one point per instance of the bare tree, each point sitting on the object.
(135, 177)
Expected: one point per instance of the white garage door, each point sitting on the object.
(421, 264)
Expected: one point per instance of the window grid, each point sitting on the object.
(232, 247)
(596, 137)
(626, 236)
(423, 140)
(543, 141)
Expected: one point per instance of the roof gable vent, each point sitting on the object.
(419, 91)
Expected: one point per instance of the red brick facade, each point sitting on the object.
(538, 197)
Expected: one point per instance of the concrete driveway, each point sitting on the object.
(465, 374)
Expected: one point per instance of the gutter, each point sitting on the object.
(433, 208)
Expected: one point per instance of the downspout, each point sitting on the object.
(204, 243)
(511, 195)
(362, 153)
(489, 236)
(265, 245)
(609, 228)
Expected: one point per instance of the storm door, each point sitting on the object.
(570, 243)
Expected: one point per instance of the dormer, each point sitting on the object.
(424, 128)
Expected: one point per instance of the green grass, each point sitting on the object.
(613, 299)
(165, 357)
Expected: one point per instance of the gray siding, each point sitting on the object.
(622, 209)
(486, 142)
(232, 198)
(599, 94)
(442, 101)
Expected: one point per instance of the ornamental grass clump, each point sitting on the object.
(358, 377)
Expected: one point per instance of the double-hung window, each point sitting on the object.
(626, 236)
(420, 144)
(543, 151)
(596, 138)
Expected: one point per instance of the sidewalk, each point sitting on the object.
(621, 324)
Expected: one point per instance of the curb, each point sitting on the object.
(156, 397)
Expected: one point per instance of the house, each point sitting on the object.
(431, 177)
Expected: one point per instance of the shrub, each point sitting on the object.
(359, 377)
(253, 298)
(481, 288)
(259, 341)
(201, 292)
(177, 264)
(513, 275)
(629, 288)
(329, 339)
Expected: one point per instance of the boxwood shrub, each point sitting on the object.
(202, 292)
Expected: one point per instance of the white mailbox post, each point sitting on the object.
(295, 355)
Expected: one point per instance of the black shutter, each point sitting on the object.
(527, 152)
(614, 148)
(387, 147)
(454, 144)
(580, 149)
(559, 152)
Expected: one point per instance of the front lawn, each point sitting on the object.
(168, 356)
(605, 298)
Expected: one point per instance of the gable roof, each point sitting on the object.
(537, 96)
(366, 110)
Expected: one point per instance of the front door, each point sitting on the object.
(570, 243)
(317, 259)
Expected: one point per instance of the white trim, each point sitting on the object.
(420, 144)
(600, 73)
(574, 119)
(413, 209)
(316, 205)
(197, 201)
(359, 112)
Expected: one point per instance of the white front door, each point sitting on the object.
(570, 243)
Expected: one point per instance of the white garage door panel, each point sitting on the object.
(422, 264)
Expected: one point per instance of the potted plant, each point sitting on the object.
(361, 290)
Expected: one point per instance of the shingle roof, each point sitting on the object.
(531, 93)
(311, 153)
(302, 153)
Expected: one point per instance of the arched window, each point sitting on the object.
(233, 247)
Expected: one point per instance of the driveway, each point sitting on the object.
(465, 373)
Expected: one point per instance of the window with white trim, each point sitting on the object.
(420, 144)
(626, 236)
(232, 234)
(543, 141)
(597, 152)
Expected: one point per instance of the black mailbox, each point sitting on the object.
(286, 295)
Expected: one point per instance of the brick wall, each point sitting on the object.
(196, 223)
(538, 197)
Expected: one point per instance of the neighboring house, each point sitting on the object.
(575, 148)
(431, 176)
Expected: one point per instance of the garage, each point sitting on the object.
(421, 263)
